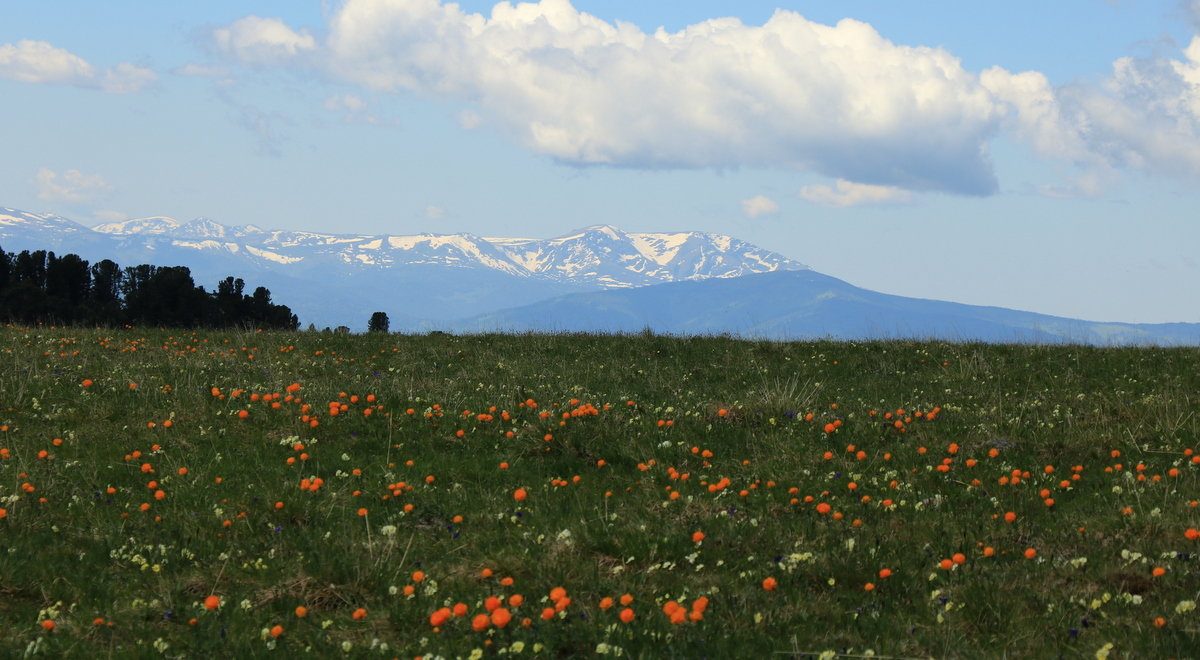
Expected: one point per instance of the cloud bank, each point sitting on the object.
(838, 100)
(759, 206)
(848, 193)
(69, 186)
(39, 62)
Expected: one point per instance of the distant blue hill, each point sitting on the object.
(807, 305)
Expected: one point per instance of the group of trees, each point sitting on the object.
(40, 287)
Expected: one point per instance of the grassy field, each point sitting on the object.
(246, 494)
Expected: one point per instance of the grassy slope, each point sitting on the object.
(86, 554)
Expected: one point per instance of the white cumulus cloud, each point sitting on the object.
(758, 206)
(69, 186)
(848, 193)
(1145, 116)
(40, 62)
(256, 40)
(840, 99)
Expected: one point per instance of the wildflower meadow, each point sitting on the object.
(277, 494)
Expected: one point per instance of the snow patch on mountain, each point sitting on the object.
(272, 256)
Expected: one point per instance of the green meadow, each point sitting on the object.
(277, 494)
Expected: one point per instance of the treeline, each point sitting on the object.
(40, 287)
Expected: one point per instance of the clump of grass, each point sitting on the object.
(205, 493)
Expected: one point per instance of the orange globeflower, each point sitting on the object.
(418, 576)
(212, 602)
(501, 617)
(1030, 553)
(697, 537)
(48, 625)
(627, 615)
(520, 495)
(276, 630)
(359, 614)
(439, 617)
(301, 611)
(769, 584)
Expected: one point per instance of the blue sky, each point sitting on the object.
(1031, 155)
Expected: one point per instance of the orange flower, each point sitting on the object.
(301, 611)
(1009, 517)
(626, 615)
(439, 617)
(769, 584)
(885, 573)
(359, 614)
(276, 630)
(501, 617)
(697, 537)
(212, 602)
(418, 576)
(520, 495)
(480, 622)
(1030, 553)
(606, 603)
(48, 625)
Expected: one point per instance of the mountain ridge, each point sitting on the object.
(458, 274)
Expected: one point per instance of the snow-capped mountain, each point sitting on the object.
(600, 256)
(597, 279)
(459, 275)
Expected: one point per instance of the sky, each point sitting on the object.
(1042, 156)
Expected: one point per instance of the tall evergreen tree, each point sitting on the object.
(379, 322)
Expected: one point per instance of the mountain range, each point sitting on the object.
(596, 279)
